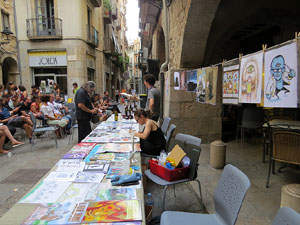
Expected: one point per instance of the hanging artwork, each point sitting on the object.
(211, 85)
(176, 80)
(251, 78)
(280, 85)
(231, 77)
(201, 81)
(191, 80)
(183, 80)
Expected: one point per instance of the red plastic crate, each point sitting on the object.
(166, 174)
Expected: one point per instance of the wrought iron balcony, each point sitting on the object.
(96, 3)
(44, 28)
(92, 35)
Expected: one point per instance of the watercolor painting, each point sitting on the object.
(183, 80)
(251, 78)
(191, 80)
(231, 77)
(176, 80)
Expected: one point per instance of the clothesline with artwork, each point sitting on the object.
(268, 77)
(202, 81)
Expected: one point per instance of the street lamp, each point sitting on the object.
(5, 34)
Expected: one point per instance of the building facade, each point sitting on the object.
(64, 41)
(9, 70)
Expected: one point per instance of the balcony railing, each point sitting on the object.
(96, 3)
(44, 28)
(107, 16)
(92, 35)
(108, 45)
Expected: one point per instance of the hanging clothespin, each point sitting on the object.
(240, 56)
(264, 47)
(224, 61)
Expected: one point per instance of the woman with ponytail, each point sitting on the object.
(152, 140)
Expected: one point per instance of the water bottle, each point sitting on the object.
(149, 200)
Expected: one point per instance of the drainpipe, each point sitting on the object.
(164, 66)
(17, 41)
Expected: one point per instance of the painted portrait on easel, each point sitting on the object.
(251, 78)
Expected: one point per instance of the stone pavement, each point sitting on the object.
(20, 172)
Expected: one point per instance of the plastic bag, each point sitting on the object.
(162, 158)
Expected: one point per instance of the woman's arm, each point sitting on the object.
(147, 130)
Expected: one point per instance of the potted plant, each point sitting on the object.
(107, 7)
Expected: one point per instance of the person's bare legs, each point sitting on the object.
(2, 139)
(7, 133)
(27, 120)
(28, 130)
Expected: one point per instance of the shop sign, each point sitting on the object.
(47, 59)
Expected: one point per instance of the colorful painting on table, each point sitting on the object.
(191, 80)
(176, 80)
(113, 211)
(251, 78)
(280, 86)
(231, 77)
(183, 80)
(211, 79)
(201, 81)
(56, 213)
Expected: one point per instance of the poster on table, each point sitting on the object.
(201, 84)
(183, 80)
(191, 80)
(280, 85)
(231, 78)
(177, 80)
(251, 78)
(211, 85)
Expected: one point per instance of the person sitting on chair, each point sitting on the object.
(152, 139)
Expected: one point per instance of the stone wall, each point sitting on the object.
(189, 116)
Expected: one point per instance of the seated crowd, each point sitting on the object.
(17, 106)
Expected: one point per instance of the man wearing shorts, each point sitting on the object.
(8, 118)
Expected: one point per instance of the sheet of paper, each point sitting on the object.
(61, 176)
(76, 192)
(70, 165)
(45, 192)
(86, 177)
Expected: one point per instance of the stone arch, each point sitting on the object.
(200, 17)
(9, 69)
(161, 52)
(243, 26)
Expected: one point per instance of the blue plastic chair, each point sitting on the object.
(228, 199)
(286, 215)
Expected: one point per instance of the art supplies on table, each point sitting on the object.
(87, 177)
(116, 147)
(113, 211)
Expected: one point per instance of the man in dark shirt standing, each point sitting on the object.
(84, 109)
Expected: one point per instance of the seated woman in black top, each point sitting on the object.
(152, 140)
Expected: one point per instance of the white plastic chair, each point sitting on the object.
(191, 146)
(286, 215)
(165, 125)
(228, 198)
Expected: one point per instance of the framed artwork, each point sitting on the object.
(280, 84)
(251, 70)
(211, 79)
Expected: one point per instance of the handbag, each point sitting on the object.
(95, 118)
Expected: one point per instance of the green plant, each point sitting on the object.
(107, 5)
